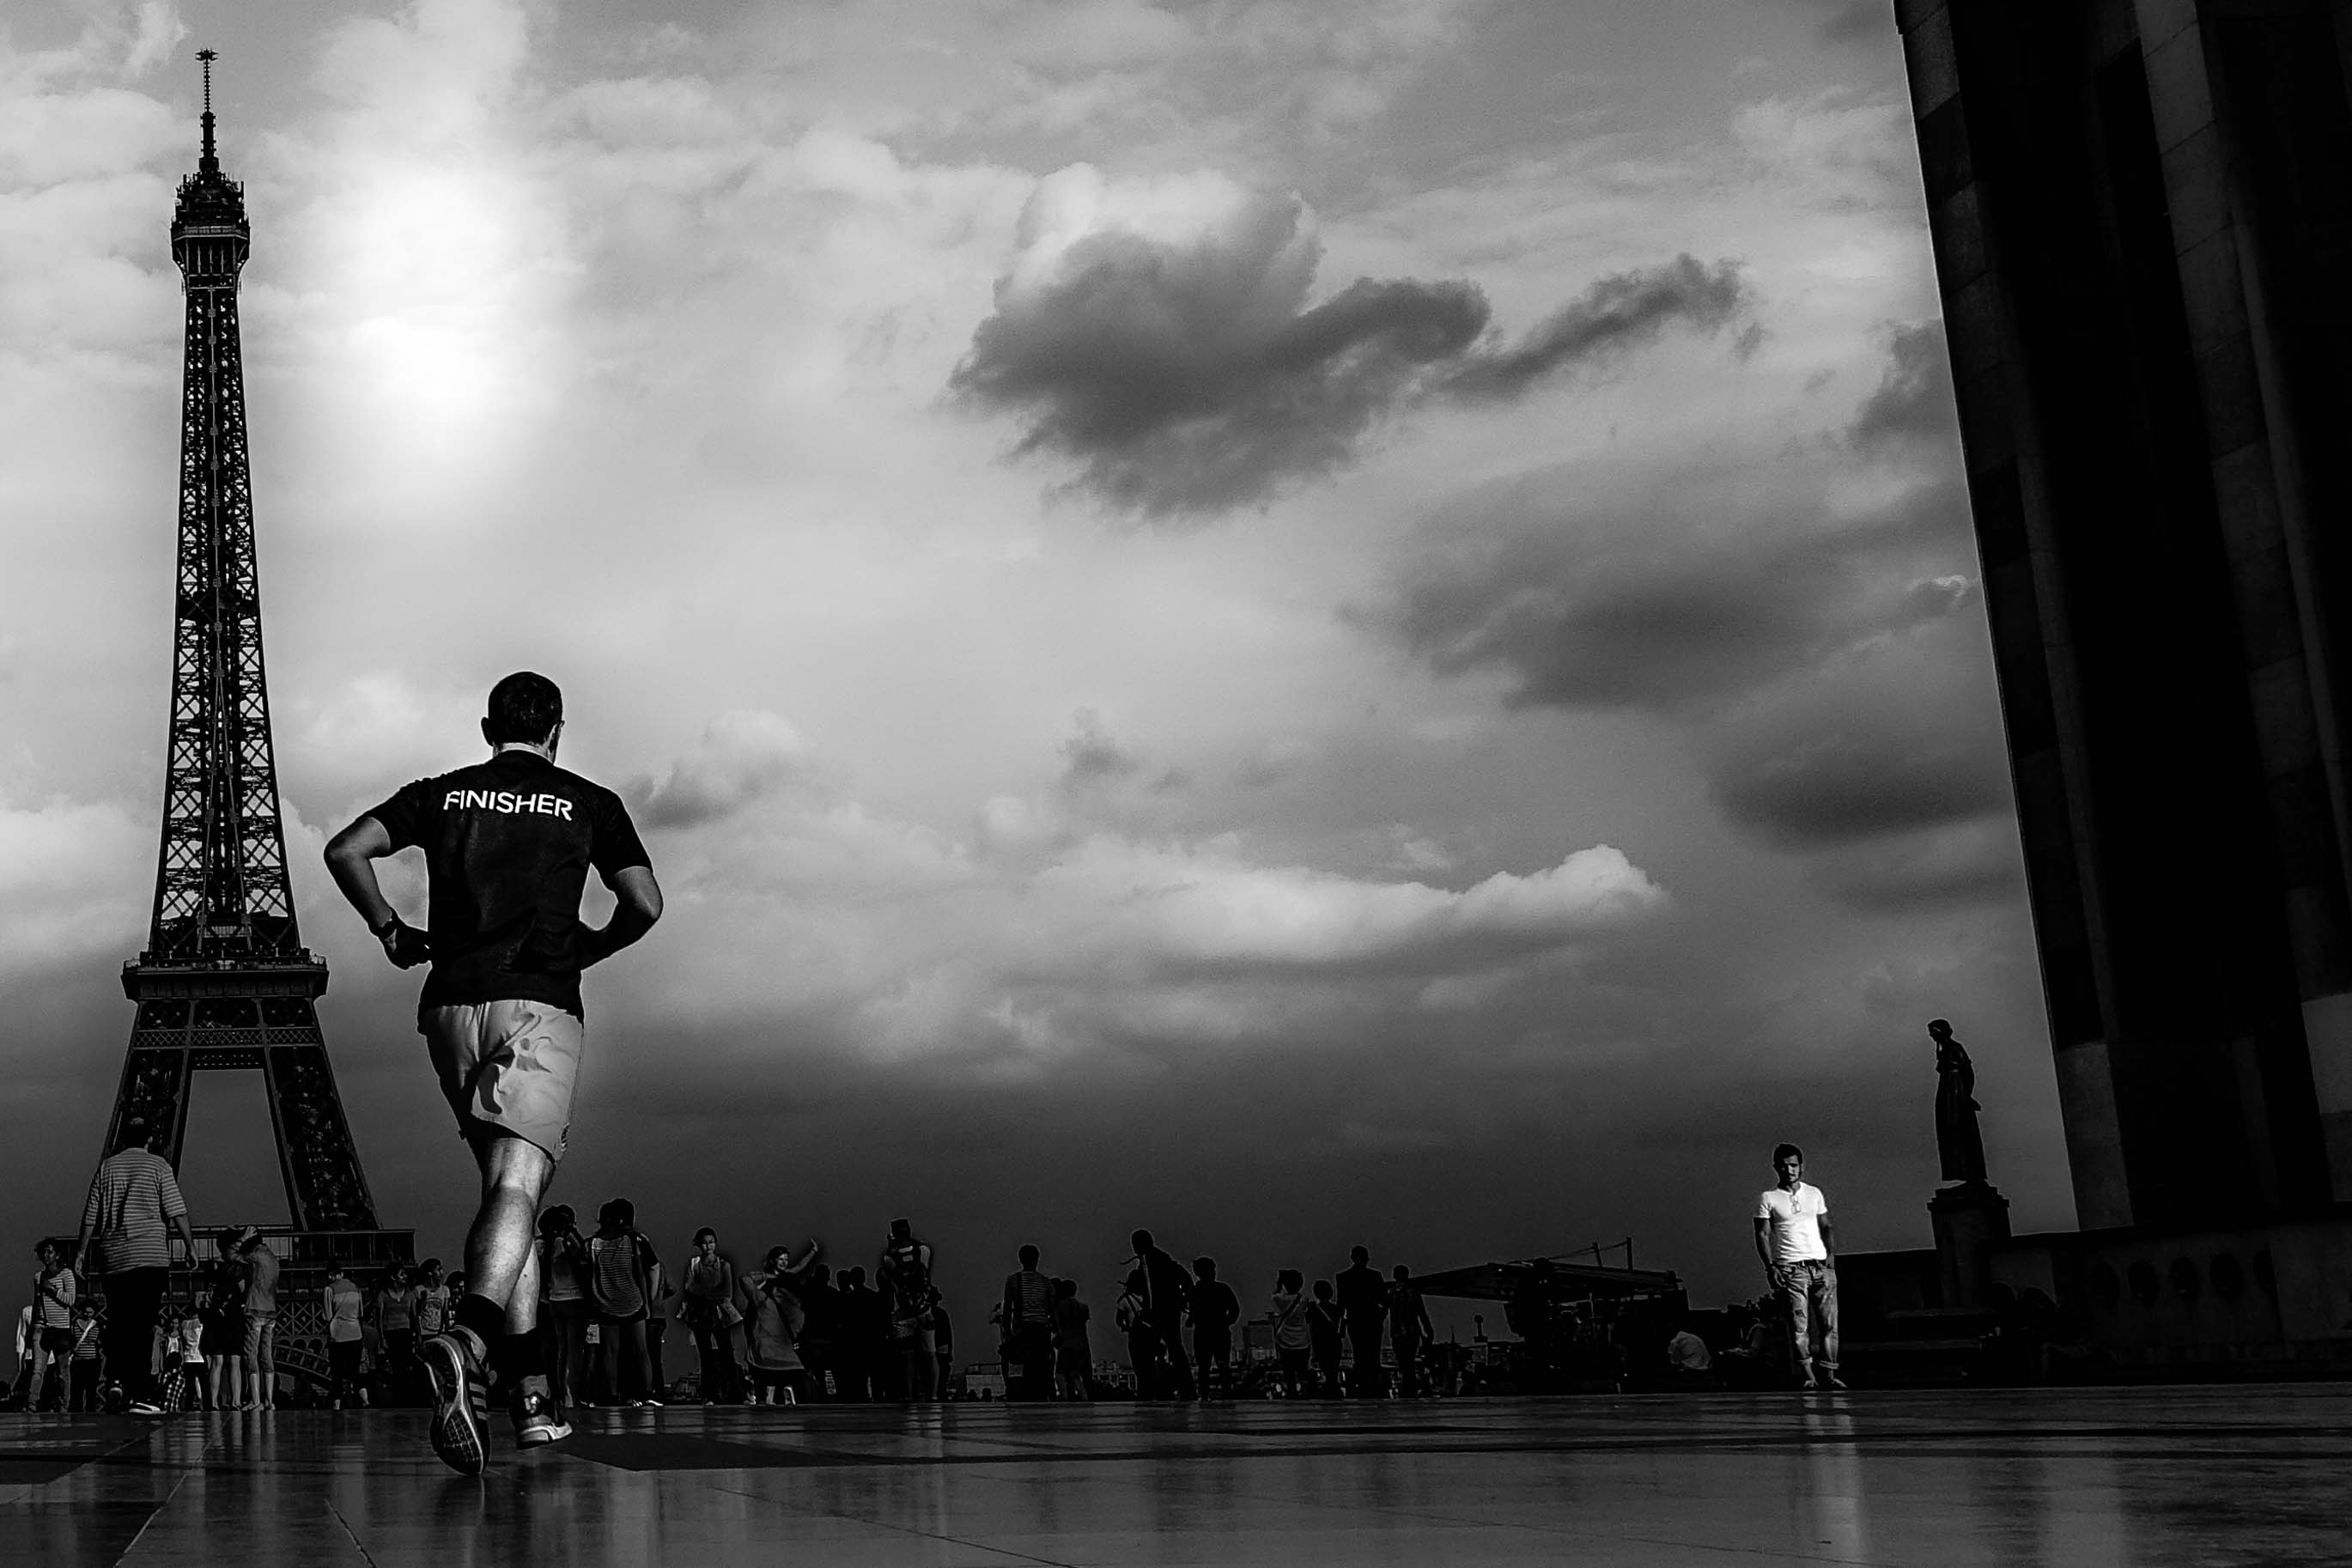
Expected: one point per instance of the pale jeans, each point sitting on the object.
(1807, 1290)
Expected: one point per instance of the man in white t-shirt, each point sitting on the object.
(1794, 1238)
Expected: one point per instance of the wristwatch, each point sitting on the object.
(391, 925)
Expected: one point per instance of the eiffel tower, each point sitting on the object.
(225, 981)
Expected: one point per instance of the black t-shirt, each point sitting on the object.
(508, 843)
(1362, 1296)
(1215, 1308)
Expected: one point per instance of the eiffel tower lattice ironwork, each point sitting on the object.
(225, 980)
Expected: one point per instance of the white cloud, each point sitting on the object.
(71, 883)
(1050, 932)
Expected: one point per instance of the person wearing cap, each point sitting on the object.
(132, 1210)
(508, 843)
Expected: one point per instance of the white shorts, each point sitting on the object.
(508, 1064)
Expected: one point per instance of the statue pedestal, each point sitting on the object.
(1969, 1218)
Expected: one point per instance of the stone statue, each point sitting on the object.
(1959, 1144)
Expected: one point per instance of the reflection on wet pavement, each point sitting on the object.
(2047, 1476)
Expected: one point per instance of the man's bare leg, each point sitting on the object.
(501, 1264)
(496, 1321)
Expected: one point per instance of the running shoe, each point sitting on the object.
(461, 1399)
(142, 1407)
(537, 1417)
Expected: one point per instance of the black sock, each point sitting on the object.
(485, 1317)
(520, 1355)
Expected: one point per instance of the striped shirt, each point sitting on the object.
(53, 1299)
(131, 1199)
(1028, 1300)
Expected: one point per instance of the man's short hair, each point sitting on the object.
(1782, 1151)
(523, 707)
(1028, 1257)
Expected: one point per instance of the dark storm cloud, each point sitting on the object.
(1619, 312)
(1854, 21)
(1953, 865)
(1686, 590)
(1885, 770)
(1092, 757)
(1913, 401)
(1883, 773)
(742, 758)
(1192, 378)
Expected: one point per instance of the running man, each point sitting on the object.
(507, 844)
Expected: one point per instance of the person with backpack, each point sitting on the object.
(1294, 1342)
(906, 1276)
(1167, 1298)
(621, 1262)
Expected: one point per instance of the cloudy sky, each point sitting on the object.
(1296, 623)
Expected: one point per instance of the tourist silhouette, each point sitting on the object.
(1363, 1302)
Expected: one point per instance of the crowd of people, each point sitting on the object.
(792, 1330)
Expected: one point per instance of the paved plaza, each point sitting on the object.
(2218, 1475)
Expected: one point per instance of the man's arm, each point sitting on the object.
(351, 856)
(175, 1213)
(640, 906)
(1829, 1239)
(1764, 1242)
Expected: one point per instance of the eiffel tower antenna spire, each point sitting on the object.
(210, 161)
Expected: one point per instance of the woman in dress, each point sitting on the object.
(224, 1330)
(773, 1332)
